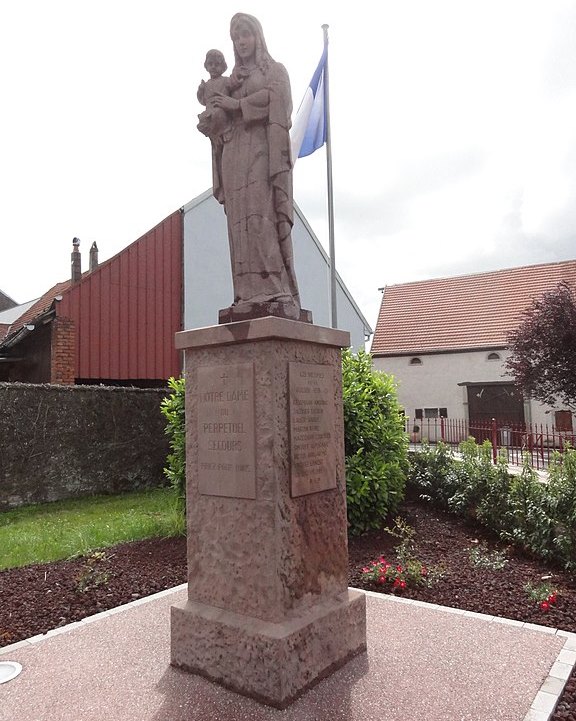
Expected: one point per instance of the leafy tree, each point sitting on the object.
(376, 445)
(543, 348)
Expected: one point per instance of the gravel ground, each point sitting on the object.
(37, 598)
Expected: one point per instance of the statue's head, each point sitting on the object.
(215, 63)
(248, 39)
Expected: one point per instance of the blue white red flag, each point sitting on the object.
(309, 128)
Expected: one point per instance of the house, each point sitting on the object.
(6, 302)
(115, 323)
(445, 342)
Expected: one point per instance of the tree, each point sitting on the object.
(543, 348)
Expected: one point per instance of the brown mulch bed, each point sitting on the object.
(38, 598)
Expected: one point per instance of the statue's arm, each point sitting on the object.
(255, 106)
(273, 102)
(201, 93)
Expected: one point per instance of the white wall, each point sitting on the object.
(208, 278)
(434, 384)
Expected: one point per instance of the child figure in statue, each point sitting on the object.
(213, 122)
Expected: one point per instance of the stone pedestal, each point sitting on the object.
(268, 611)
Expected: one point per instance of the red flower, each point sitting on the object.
(396, 583)
(402, 584)
(552, 597)
(545, 606)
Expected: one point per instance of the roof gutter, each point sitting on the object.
(26, 329)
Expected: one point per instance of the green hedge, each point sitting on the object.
(539, 516)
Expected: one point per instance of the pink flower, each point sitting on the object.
(366, 569)
(402, 584)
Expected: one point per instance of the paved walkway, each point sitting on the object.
(424, 663)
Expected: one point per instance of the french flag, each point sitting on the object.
(308, 131)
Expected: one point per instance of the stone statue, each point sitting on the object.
(252, 173)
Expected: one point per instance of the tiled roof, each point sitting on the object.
(463, 312)
(38, 308)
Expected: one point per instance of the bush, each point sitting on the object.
(172, 408)
(528, 523)
(537, 516)
(433, 473)
(375, 443)
(562, 505)
(473, 473)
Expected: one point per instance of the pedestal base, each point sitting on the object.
(269, 612)
(271, 662)
(248, 311)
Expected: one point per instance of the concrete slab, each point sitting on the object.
(422, 663)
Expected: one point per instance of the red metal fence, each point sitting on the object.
(539, 441)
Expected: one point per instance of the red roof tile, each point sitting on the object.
(462, 312)
(40, 306)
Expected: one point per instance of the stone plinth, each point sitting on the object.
(268, 611)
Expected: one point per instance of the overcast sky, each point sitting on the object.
(453, 130)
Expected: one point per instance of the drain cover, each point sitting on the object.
(9, 670)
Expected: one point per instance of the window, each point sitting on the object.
(430, 413)
(493, 356)
(563, 421)
(415, 361)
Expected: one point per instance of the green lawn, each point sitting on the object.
(52, 531)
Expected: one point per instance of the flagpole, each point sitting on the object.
(332, 251)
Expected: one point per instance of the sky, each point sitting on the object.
(453, 130)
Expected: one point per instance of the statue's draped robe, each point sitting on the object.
(254, 181)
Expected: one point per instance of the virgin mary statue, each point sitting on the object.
(253, 179)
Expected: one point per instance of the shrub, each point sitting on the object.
(375, 443)
(537, 516)
(562, 505)
(172, 408)
(528, 522)
(432, 471)
(493, 507)
(470, 485)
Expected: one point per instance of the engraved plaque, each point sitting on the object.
(226, 436)
(313, 465)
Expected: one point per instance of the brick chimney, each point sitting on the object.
(93, 257)
(76, 261)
